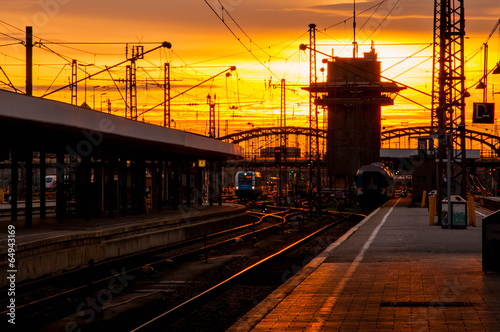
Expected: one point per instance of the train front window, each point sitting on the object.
(245, 179)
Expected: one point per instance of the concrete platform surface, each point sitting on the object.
(393, 272)
(49, 228)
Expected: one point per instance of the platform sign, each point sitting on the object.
(483, 113)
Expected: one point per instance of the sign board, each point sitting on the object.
(483, 113)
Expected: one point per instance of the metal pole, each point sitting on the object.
(166, 96)
(449, 177)
(29, 61)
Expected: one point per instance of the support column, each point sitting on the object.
(175, 186)
(141, 189)
(155, 187)
(188, 183)
(211, 183)
(43, 190)
(28, 205)
(122, 185)
(97, 189)
(199, 187)
(14, 182)
(166, 182)
(159, 185)
(86, 178)
(219, 182)
(60, 201)
(109, 187)
(29, 61)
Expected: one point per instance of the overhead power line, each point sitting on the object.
(352, 17)
(239, 39)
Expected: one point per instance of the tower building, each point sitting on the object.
(353, 96)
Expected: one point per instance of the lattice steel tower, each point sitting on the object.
(448, 91)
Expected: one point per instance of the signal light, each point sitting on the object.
(277, 155)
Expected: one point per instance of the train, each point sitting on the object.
(248, 185)
(375, 184)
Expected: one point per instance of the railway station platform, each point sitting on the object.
(49, 247)
(391, 272)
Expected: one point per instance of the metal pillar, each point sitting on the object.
(219, 182)
(132, 88)
(60, 188)
(14, 182)
(283, 140)
(166, 96)
(123, 172)
(110, 188)
(199, 187)
(43, 190)
(141, 186)
(448, 111)
(211, 123)
(175, 186)
(29, 61)
(188, 182)
(159, 186)
(74, 86)
(313, 124)
(211, 183)
(28, 204)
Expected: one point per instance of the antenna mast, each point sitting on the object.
(354, 43)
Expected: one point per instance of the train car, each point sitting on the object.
(375, 184)
(248, 185)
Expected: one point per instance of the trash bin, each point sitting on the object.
(458, 212)
(491, 242)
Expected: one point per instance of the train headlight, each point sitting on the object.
(253, 187)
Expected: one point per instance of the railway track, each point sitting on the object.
(128, 276)
(41, 299)
(180, 312)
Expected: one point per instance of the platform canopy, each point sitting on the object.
(41, 124)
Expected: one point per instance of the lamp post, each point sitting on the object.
(97, 86)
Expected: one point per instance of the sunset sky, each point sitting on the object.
(262, 40)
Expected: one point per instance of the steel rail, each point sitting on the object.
(157, 322)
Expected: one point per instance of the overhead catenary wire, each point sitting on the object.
(10, 82)
(352, 17)
(240, 41)
(381, 22)
(191, 88)
(408, 57)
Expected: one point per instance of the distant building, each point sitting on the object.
(353, 95)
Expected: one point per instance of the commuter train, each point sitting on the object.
(375, 184)
(248, 185)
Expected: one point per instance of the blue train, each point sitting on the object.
(375, 184)
(248, 185)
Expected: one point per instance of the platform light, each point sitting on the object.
(496, 71)
(481, 86)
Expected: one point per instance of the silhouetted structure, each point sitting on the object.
(353, 95)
